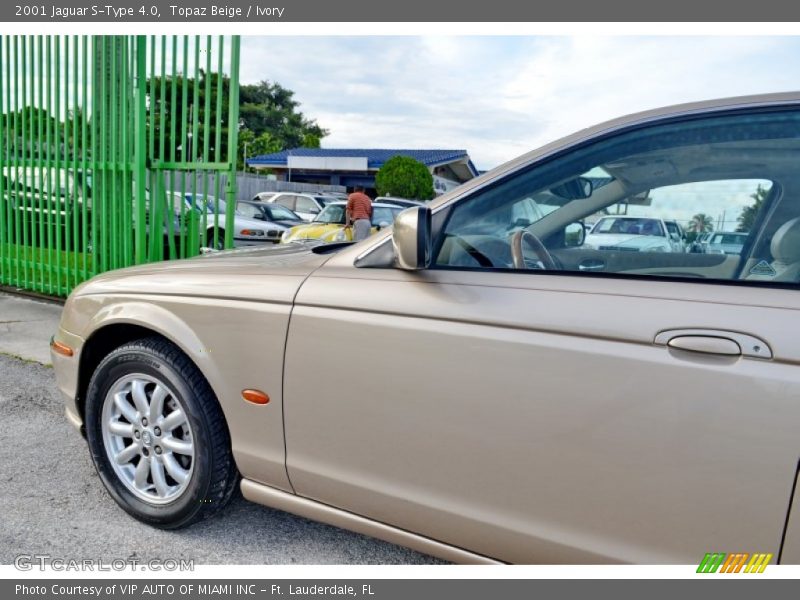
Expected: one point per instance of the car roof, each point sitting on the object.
(716, 106)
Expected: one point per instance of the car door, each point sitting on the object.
(561, 415)
(307, 208)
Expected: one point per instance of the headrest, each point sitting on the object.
(785, 245)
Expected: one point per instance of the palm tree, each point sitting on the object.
(701, 223)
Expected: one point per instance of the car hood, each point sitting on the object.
(270, 274)
(624, 241)
(313, 230)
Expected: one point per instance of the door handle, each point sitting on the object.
(714, 341)
(592, 265)
(706, 344)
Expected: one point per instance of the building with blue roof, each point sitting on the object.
(357, 166)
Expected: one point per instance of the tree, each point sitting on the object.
(404, 177)
(749, 213)
(700, 223)
(269, 119)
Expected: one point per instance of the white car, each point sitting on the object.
(247, 231)
(638, 234)
(264, 196)
(307, 206)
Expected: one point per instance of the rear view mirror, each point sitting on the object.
(574, 189)
(412, 239)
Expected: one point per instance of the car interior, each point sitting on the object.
(735, 157)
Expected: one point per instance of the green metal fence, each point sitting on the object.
(113, 152)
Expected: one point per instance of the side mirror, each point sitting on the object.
(259, 216)
(574, 235)
(383, 225)
(412, 238)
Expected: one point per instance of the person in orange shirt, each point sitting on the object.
(359, 213)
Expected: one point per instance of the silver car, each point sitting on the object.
(726, 242)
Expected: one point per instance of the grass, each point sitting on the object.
(43, 270)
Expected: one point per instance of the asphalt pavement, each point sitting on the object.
(53, 503)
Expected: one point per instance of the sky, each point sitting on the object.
(498, 97)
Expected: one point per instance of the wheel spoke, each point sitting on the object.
(121, 402)
(140, 397)
(173, 420)
(159, 480)
(142, 470)
(121, 429)
(180, 446)
(157, 402)
(148, 437)
(125, 456)
(177, 472)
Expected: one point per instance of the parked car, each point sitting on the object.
(47, 206)
(700, 242)
(268, 212)
(264, 196)
(402, 202)
(307, 206)
(479, 395)
(247, 231)
(677, 235)
(726, 242)
(639, 234)
(328, 226)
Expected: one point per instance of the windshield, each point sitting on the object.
(333, 213)
(381, 214)
(628, 226)
(326, 200)
(206, 203)
(277, 212)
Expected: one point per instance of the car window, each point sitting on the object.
(728, 238)
(277, 212)
(333, 213)
(306, 205)
(383, 214)
(248, 210)
(286, 200)
(728, 174)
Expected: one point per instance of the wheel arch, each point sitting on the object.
(120, 323)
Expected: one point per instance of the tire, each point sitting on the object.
(190, 473)
(220, 239)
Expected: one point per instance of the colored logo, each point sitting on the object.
(742, 562)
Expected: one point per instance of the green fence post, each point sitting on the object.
(233, 140)
(140, 146)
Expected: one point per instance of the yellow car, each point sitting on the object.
(328, 225)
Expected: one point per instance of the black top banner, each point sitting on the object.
(154, 11)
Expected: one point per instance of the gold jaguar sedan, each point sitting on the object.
(478, 383)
